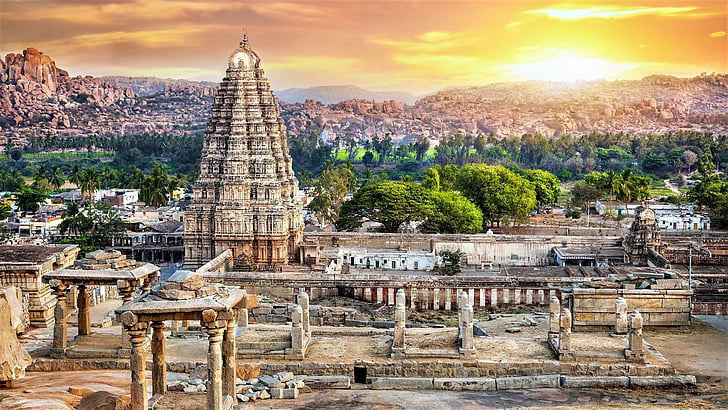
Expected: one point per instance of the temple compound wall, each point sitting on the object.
(246, 198)
(481, 249)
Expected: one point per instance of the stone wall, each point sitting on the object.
(595, 308)
(506, 250)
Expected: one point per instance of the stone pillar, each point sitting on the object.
(159, 350)
(297, 331)
(229, 350)
(635, 351)
(466, 330)
(400, 315)
(541, 298)
(214, 365)
(303, 302)
(565, 330)
(620, 324)
(506, 296)
(529, 296)
(358, 293)
(462, 301)
(368, 294)
(243, 318)
(60, 330)
(448, 299)
(137, 333)
(554, 309)
(481, 296)
(471, 297)
(436, 299)
(517, 296)
(494, 297)
(413, 298)
(82, 304)
(390, 296)
(126, 291)
(380, 295)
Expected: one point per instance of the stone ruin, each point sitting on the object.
(13, 358)
(106, 259)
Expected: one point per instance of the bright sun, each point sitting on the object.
(568, 67)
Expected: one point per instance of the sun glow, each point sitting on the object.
(568, 67)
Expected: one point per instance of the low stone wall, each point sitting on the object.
(595, 308)
(405, 368)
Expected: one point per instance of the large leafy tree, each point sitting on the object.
(453, 214)
(28, 199)
(711, 190)
(92, 228)
(389, 203)
(499, 192)
(88, 182)
(545, 184)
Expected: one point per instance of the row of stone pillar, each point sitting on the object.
(221, 361)
(441, 298)
(560, 322)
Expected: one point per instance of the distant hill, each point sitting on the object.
(329, 94)
(146, 86)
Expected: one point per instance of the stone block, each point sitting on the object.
(527, 382)
(270, 381)
(465, 384)
(104, 400)
(247, 371)
(284, 393)
(284, 376)
(328, 382)
(594, 381)
(662, 381)
(401, 383)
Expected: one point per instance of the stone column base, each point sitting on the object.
(58, 353)
(398, 353)
(634, 356)
(467, 353)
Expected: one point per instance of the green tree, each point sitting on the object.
(450, 262)
(88, 182)
(545, 184)
(432, 179)
(389, 203)
(582, 194)
(74, 176)
(56, 177)
(367, 159)
(421, 146)
(330, 188)
(497, 191)
(453, 214)
(28, 199)
(155, 187)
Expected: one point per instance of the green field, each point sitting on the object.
(62, 155)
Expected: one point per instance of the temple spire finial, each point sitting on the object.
(244, 41)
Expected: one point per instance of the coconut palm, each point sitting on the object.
(74, 176)
(56, 177)
(88, 181)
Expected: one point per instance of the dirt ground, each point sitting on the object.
(349, 348)
(512, 350)
(437, 339)
(703, 351)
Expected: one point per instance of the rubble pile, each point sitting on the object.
(103, 259)
(184, 284)
(283, 385)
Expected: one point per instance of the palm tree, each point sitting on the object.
(40, 173)
(74, 176)
(56, 177)
(88, 182)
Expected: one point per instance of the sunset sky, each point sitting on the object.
(416, 46)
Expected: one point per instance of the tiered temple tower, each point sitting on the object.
(246, 197)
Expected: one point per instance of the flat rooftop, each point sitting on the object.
(28, 253)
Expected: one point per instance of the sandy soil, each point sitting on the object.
(349, 348)
(703, 351)
(512, 350)
(437, 339)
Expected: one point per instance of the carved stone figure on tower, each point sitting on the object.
(246, 197)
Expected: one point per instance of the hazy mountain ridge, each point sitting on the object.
(39, 99)
(331, 94)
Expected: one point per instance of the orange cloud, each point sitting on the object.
(571, 12)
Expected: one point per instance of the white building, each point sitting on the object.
(683, 222)
(391, 259)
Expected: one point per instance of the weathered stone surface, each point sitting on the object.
(79, 391)
(13, 358)
(270, 381)
(527, 382)
(103, 400)
(467, 384)
(401, 383)
(284, 393)
(247, 371)
(328, 382)
(661, 381)
(594, 381)
(17, 316)
(284, 376)
(200, 373)
(175, 386)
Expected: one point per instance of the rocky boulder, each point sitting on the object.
(103, 400)
(13, 358)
